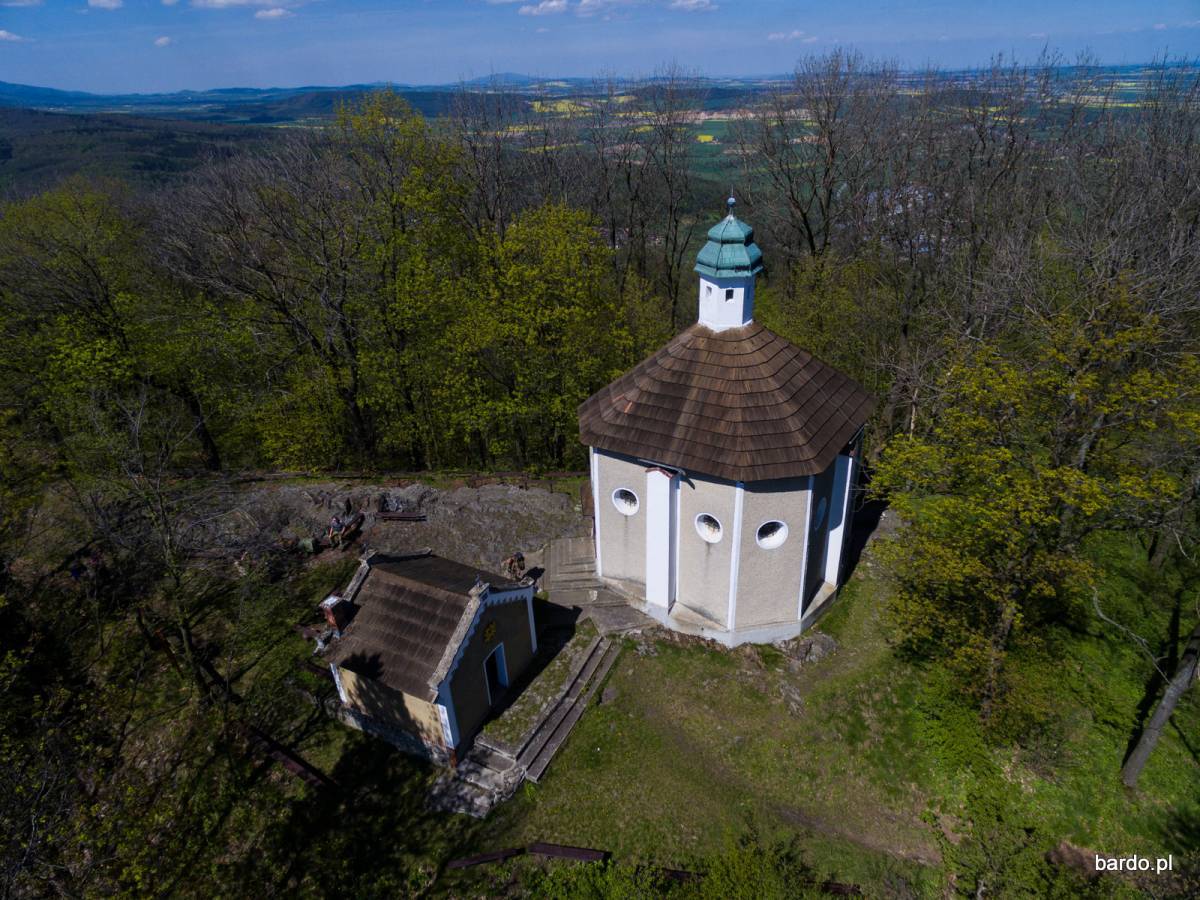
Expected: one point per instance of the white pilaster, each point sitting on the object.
(594, 463)
(445, 706)
(659, 529)
(739, 496)
(808, 511)
(838, 526)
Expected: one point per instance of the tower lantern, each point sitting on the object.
(727, 265)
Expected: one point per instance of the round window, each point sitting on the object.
(819, 516)
(625, 501)
(708, 528)
(771, 535)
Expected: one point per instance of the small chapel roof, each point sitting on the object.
(412, 610)
(730, 251)
(742, 403)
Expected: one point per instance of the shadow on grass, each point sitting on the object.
(372, 836)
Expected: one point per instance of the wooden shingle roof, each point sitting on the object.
(742, 404)
(410, 611)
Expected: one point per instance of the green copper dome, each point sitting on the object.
(730, 251)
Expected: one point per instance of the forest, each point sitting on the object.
(1009, 262)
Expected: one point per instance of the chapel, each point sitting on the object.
(723, 466)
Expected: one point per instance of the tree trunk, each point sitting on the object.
(1180, 681)
(212, 454)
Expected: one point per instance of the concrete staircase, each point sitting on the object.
(570, 577)
(490, 775)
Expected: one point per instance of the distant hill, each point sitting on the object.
(236, 105)
(38, 149)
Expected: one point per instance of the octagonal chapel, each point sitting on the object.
(723, 466)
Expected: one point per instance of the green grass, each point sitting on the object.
(698, 745)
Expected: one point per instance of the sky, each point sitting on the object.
(119, 46)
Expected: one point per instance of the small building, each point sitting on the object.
(722, 466)
(429, 649)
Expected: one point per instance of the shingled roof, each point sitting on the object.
(742, 404)
(412, 613)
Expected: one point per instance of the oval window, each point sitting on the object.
(708, 528)
(625, 501)
(771, 535)
(822, 508)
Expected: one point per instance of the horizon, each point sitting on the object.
(168, 46)
(481, 80)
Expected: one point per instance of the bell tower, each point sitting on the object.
(727, 265)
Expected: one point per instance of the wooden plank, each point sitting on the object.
(319, 670)
(563, 851)
(401, 517)
(482, 858)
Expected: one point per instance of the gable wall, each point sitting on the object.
(395, 709)
(468, 683)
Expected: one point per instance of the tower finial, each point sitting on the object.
(730, 202)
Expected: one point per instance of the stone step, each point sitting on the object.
(490, 756)
(537, 767)
(453, 795)
(572, 597)
(574, 569)
(608, 598)
(533, 746)
(487, 779)
(570, 555)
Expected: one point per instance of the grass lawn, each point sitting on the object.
(699, 744)
(695, 746)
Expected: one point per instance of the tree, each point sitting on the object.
(83, 310)
(543, 332)
(1181, 680)
(1038, 444)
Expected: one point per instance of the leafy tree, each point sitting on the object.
(1039, 443)
(543, 332)
(83, 311)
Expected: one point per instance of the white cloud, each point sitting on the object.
(693, 5)
(1160, 27)
(1037, 34)
(230, 4)
(541, 30)
(163, 41)
(785, 35)
(597, 7)
(105, 4)
(277, 12)
(544, 8)
(20, 2)
(9, 36)
(169, 2)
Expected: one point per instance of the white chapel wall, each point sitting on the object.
(768, 590)
(622, 538)
(704, 567)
